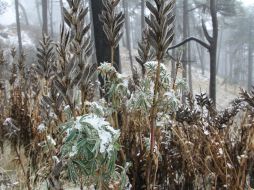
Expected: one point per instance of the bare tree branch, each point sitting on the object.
(175, 59)
(208, 37)
(202, 43)
(197, 7)
(24, 12)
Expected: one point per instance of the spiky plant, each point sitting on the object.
(13, 69)
(160, 26)
(18, 126)
(72, 76)
(213, 148)
(46, 60)
(18, 108)
(75, 20)
(74, 49)
(21, 68)
(2, 96)
(48, 104)
(116, 90)
(112, 24)
(144, 51)
(2, 85)
(81, 44)
(2, 59)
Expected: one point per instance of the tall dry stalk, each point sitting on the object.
(160, 27)
(112, 24)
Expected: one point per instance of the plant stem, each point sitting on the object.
(153, 117)
(23, 168)
(176, 72)
(112, 55)
(116, 120)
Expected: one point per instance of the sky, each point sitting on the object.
(248, 2)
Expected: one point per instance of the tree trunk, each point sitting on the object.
(134, 34)
(190, 68)
(189, 59)
(51, 18)
(142, 15)
(18, 26)
(127, 29)
(102, 46)
(24, 12)
(174, 54)
(219, 51)
(226, 68)
(250, 57)
(212, 86)
(231, 65)
(62, 14)
(38, 12)
(213, 51)
(212, 47)
(185, 34)
(44, 5)
(173, 63)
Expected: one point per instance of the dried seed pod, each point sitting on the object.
(112, 22)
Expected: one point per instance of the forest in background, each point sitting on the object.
(124, 94)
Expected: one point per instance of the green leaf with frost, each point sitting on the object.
(90, 145)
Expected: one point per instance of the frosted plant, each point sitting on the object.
(181, 84)
(165, 79)
(115, 88)
(97, 108)
(51, 141)
(140, 101)
(107, 70)
(41, 128)
(171, 101)
(90, 148)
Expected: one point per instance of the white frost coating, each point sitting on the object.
(221, 151)
(230, 166)
(106, 133)
(78, 125)
(120, 76)
(51, 141)
(169, 93)
(66, 108)
(74, 151)
(154, 64)
(53, 115)
(68, 132)
(206, 132)
(41, 144)
(7, 121)
(41, 128)
(56, 159)
(97, 109)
